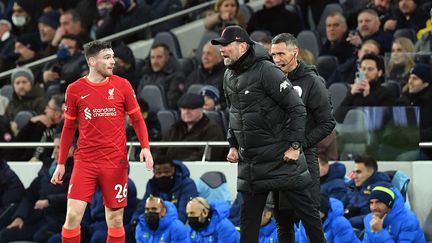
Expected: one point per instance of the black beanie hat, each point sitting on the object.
(383, 194)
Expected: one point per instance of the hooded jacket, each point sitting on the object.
(266, 116)
(219, 229)
(183, 190)
(11, 187)
(170, 228)
(268, 233)
(400, 225)
(358, 197)
(337, 228)
(333, 184)
(311, 88)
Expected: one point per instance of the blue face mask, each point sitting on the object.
(103, 12)
(63, 53)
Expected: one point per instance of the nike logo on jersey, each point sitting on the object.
(121, 200)
(84, 96)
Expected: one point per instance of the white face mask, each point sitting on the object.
(18, 21)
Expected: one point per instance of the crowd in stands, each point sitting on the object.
(381, 50)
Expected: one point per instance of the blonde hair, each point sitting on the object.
(202, 201)
(219, 3)
(406, 46)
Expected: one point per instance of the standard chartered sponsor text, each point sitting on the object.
(107, 111)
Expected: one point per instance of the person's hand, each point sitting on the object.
(18, 222)
(366, 88)
(57, 177)
(41, 204)
(376, 223)
(390, 25)
(291, 154)
(42, 118)
(354, 39)
(49, 75)
(233, 155)
(145, 155)
(226, 16)
(60, 32)
(356, 87)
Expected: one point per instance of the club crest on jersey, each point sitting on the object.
(111, 94)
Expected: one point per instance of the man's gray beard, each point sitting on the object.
(229, 61)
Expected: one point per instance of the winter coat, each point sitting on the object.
(333, 184)
(359, 197)
(400, 225)
(268, 233)
(34, 100)
(11, 187)
(266, 115)
(219, 229)
(183, 190)
(170, 230)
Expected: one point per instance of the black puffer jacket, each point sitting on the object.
(266, 115)
(311, 87)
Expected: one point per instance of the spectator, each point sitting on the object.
(208, 221)
(408, 15)
(163, 69)
(226, 13)
(125, 64)
(160, 223)
(211, 98)
(268, 230)
(71, 23)
(194, 125)
(7, 40)
(365, 177)
(367, 92)
(172, 183)
(234, 215)
(336, 227)
(210, 71)
(274, 18)
(368, 25)
(315, 8)
(11, 192)
(345, 72)
(389, 220)
(24, 16)
(26, 96)
(161, 8)
(42, 210)
(152, 123)
(383, 9)
(401, 60)
(48, 24)
(27, 47)
(332, 178)
(336, 33)
(40, 128)
(424, 37)
(418, 92)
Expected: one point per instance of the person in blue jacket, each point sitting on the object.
(389, 221)
(337, 228)
(365, 177)
(160, 223)
(172, 183)
(208, 222)
(332, 178)
(268, 230)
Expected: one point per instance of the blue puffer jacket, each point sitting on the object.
(183, 190)
(400, 225)
(337, 228)
(219, 230)
(268, 233)
(359, 197)
(170, 230)
(334, 184)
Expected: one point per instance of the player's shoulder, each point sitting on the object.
(76, 86)
(118, 79)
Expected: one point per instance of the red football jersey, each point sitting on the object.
(100, 109)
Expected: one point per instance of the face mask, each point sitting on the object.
(152, 220)
(165, 183)
(63, 53)
(18, 20)
(103, 12)
(195, 224)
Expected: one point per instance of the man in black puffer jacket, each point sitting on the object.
(319, 120)
(267, 122)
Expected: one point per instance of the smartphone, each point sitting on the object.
(359, 76)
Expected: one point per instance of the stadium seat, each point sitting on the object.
(22, 118)
(52, 90)
(259, 34)
(166, 119)
(208, 36)
(171, 41)
(310, 41)
(195, 88)
(217, 118)
(213, 185)
(7, 91)
(246, 11)
(337, 92)
(405, 32)
(326, 65)
(400, 181)
(353, 134)
(154, 96)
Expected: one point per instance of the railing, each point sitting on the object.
(121, 34)
(206, 145)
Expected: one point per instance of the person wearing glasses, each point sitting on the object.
(160, 223)
(208, 222)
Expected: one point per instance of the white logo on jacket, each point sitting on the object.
(299, 90)
(283, 86)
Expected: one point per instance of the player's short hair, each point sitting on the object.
(368, 161)
(286, 38)
(377, 59)
(201, 201)
(59, 100)
(162, 159)
(93, 48)
(164, 47)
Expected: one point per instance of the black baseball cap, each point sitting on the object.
(230, 34)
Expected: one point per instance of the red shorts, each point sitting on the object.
(112, 182)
